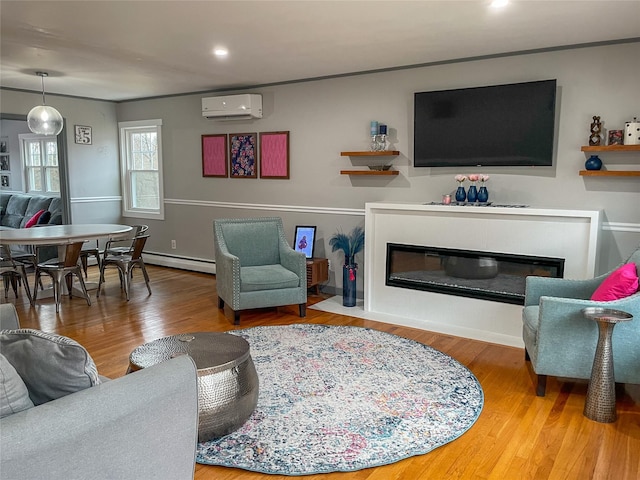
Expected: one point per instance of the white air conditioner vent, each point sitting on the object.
(232, 107)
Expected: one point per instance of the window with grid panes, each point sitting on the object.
(141, 161)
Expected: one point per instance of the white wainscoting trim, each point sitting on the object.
(262, 206)
(95, 199)
(621, 227)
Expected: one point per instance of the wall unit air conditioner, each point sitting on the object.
(232, 107)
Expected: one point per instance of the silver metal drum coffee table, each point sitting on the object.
(600, 404)
(227, 378)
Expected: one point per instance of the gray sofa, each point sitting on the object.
(17, 208)
(142, 425)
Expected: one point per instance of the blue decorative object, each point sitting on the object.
(472, 194)
(461, 195)
(483, 194)
(341, 398)
(350, 245)
(593, 163)
(349, 282)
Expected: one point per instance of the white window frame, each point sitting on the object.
(125, 129)
(24, 158)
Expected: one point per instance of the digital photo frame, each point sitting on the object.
(305, 239)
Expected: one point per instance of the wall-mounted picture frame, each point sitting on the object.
(83, 134)
(4, 148)
(5, 163)
(214, 156)
(305, 239)
(274, 155)
(5, 181)
(242, 155)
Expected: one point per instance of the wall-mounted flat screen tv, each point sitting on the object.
(499, 125)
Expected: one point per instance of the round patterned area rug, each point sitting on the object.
(336, 398)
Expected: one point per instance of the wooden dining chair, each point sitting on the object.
(64, 269)
(86, 252)
(13, 273)
(125, 263)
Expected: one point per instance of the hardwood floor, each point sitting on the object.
(518, 435)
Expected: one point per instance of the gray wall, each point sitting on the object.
(94, 170)
(332, 115)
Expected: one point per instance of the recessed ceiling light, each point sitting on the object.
(220, 52)
(499, 3)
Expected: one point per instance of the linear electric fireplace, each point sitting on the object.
(484, 275)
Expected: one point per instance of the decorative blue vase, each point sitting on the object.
(349, 282)
(483, 194)
(461, 195)
(593, 163)
(472, 194)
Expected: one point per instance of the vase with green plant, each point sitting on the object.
(350, 245)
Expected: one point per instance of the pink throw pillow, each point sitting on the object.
(621, 283)
(33, 220)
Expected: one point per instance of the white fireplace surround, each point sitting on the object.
(568, 234)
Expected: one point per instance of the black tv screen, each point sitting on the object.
(500, 125)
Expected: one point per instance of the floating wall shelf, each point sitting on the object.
(381, 153)
(610, 173)
(610, 148)
(369, 172)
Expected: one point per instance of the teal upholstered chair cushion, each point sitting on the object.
(267, 277)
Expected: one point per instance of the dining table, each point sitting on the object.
(62, 235)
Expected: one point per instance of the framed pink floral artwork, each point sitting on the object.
(214, 156)
(242, 155)
(274, 155)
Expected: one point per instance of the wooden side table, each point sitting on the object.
(600, 404)
(317, 272)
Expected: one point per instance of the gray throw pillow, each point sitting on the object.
(50, 365)
(14, 396)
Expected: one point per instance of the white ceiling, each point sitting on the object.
(119, 50)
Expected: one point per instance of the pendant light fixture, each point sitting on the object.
(44, 120)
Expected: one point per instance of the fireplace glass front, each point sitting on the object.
(485, 275)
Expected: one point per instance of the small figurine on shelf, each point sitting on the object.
(596, 130)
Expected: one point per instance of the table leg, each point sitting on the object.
(600, 404)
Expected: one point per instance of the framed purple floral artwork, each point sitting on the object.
(214, 156)
(274, 155)
(242, 155)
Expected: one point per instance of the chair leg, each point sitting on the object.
(78, 273)
(541, 387)
(303, 310)
(98, 260)
(125, 281)
(25, 281)
(100, 281)
(85, 264)
(236, 317)
(220, 303)
(57, 282)
(144, 272)
(35, 285)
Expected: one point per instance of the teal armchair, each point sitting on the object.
(561, 342)
(256, 267)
